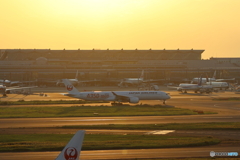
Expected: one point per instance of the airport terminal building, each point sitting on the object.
(32, 64)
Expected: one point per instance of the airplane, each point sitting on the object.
(8, 82)
(4, 90)
(119, 96)
(184, 87)
(213, 79)
(215, 84)
(204, 80)
(72, 150)
(132, 81)
(77, 82)
(73, 81)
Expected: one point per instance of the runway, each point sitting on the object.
(227, 111)
(126, 154)
(57, 122)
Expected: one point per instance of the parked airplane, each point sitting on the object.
(6, 82)
(4, 90)
(218, 85)
(72, 150)
(132, 81)
(73, 81)
(213, 79)
(184, 87)
(204, 80)
(119, 96)
(76, 82)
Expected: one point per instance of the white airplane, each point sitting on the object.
(119, 96)
(217, 84)
(73, 81)
(8, 82)
(132, 81)
(72, 150)
(220, 85)
(184, 87)
(213, 79)
(204, 80)
(4, 90)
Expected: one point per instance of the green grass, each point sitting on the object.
(92, 111)
(168, 126)
(56, 142)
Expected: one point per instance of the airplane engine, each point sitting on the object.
(134, 100)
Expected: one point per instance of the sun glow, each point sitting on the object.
(124, 24)
(93, 8)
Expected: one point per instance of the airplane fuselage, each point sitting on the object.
(189, 86)
(204, 80)
(109, 96)
(193, 87)
(218, 84)
(132, 81)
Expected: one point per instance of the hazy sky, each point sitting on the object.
(213, 25)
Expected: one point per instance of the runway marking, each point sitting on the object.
(160, 132)
(88, 120)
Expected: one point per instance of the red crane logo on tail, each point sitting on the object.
(71, 153)
(69, 87)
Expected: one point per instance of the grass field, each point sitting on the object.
(168, 126)
(22, 102)
(56, 142)
(93, 111)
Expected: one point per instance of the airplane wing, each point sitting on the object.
(225, 80)
(121, 97)
(20, 88)
(173, 87)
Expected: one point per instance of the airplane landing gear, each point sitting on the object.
(164, 101)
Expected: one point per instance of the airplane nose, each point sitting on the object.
(168, 96)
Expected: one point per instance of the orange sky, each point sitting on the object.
(213, 25)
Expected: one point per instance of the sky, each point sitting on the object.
(211, 25)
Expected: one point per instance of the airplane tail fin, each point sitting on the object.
(70, 88)
(76, 75)
(214, 74)
(142, 75)
(200, 81)
(207, 77)
(72, 150)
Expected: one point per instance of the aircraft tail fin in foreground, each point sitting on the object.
(70, 88)
(72, 150)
